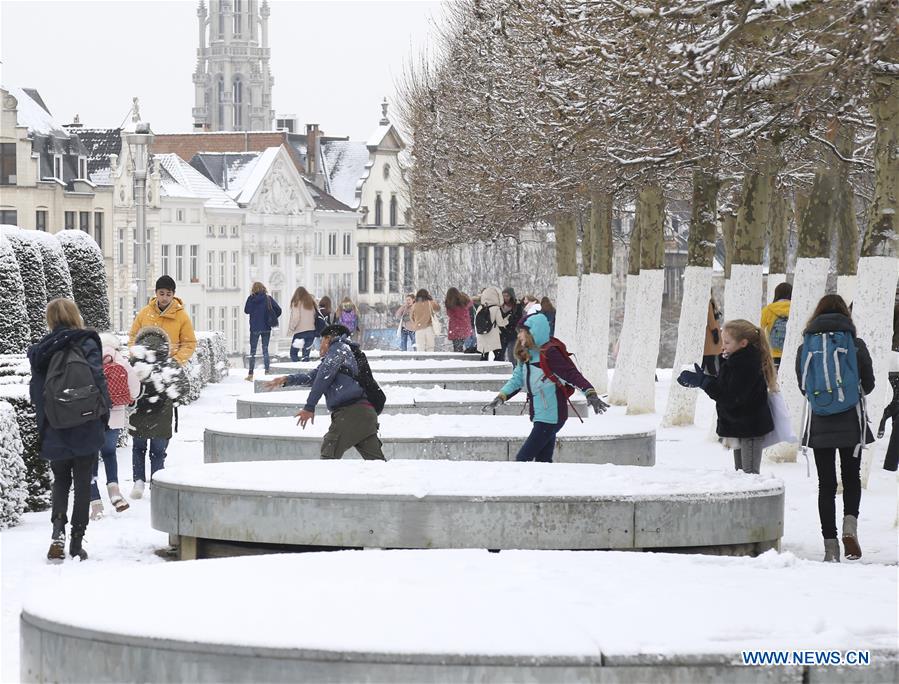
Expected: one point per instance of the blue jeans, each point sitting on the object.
(471, 342)
(158, 445)
(254, 340)
(541, 443)
(307, 338)
(107, 453)
(407, 340)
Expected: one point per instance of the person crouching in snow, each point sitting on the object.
(740, 390)
(348, 390)
(545, 371)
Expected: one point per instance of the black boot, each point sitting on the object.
(75, 550)
(57, 551)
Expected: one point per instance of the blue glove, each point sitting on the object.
(693, 378)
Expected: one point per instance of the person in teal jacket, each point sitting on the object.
(548, 404)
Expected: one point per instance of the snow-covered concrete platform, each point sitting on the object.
(444, 505)
(399, 400)
(410, 366)
(397, 355)
(627, 440)
(482, 382)
(441, 616)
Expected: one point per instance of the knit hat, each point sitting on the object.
(335, 330)
(165, 283)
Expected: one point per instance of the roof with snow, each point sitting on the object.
(100, 143)
(33, 113)
(346, 166)
(181, 180)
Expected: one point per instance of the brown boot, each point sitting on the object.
(57, 550)
(851, 548)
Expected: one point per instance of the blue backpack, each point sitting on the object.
(778, 333)
(830, 376)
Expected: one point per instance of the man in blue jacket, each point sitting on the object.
(354, 422)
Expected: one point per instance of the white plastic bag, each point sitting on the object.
(783, 428)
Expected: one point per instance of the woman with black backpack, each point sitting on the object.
(71, 402)
(264, 313)
(828, 433)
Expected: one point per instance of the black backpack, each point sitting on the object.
(71, 395)
(366, 380)
(483, 323)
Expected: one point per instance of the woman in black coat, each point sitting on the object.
(512, 310)
(71, 451)
(838, 432)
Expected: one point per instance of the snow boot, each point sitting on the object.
(851, 548)
(116, 498)
(96, 509)
(57, 551)
(75, 549)
(138, 490)
(831, 551)
(249, 377)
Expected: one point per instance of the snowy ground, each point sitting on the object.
(126, 539)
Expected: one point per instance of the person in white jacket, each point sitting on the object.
(117, 422)
(490, 341)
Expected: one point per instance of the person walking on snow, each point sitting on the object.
(406, 331)
(548, 396)
(740, 391)
(70, 443)
(354, 421)
(458, 318)
(774, 320)
(842, 431)
(422, 317)
(264, 312)
(301, 326)
(116, 368)
(513, 312)
(489, 322)
(152, 421)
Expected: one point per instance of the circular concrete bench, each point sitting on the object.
(410, 367)
(399, 400)
(626, 440)
(454, 616)
(444, 505)
(481, 382)
(397, 355)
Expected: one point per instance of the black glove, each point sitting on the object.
(597, 404)
(693, 378)
(497, 401)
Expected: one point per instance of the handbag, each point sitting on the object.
(271, 316)
(783, 427)
(436, 325)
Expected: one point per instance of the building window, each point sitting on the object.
(223, 318)
(386, 171)
(82, 167)
(9, 216)
(252, 258)
(297, 259)
(195, 263)
(179, 215)
(393, 210)
(333, 283)
(394, 269)
(222, 256)
(408, 269)
(164, 251)
(319, 281)
(235, 260)
(121, 247)
(235, 322)
(210, 269)
(195, 314)
(237, 18)
(8, 164)
(70, 220)
(98, 227)
(379, 210)
(223, 231)
(235, 232)
(179, 263)
(275, 258)
(379, 268)
(40, 220)
(318, 244)
(363, 269)
(210, 230)
(84, 221)
(121, 313)
(332, 244)
(210, 318)
(347, 285)
(238, 96)
(57, 166)
(348, 244)
(221, 83)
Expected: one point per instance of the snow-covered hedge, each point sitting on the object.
(88, 277)
(31, 268)
(15, 334)
(56, 268)
(37, 470)
(208, 364)
(13, 490)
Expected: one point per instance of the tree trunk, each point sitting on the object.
(879, 266)
(647, 324)
(779, 218)
(845, 225)
(568, 285)
(681, 406)
(626, 338)
(728, 231)
(596, 292)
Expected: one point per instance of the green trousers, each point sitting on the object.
(355, 425)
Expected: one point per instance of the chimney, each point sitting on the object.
(75, 124)
(312, 137)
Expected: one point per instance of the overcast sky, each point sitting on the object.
(332, 62)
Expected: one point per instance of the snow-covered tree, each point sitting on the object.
(56, 267)
(31, 268)
(37, 470)
(15, 334)
(13, 490)
(88, 277)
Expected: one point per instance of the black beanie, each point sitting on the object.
(165, 283)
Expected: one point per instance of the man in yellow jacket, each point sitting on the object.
(153, 424)
(774, 320)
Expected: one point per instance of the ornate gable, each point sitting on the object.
(281, 190)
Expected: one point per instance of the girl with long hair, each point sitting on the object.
(348, 316)
(458, 327)
(301, 327)
(263, 311)
(422, 320)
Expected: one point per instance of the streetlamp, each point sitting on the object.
(139, 144)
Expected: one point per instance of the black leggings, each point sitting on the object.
(826, 463)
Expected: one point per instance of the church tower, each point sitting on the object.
(233, 83)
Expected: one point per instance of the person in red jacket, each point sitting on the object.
(458, 314)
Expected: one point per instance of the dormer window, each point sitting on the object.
(82, 168)
(57, 166)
